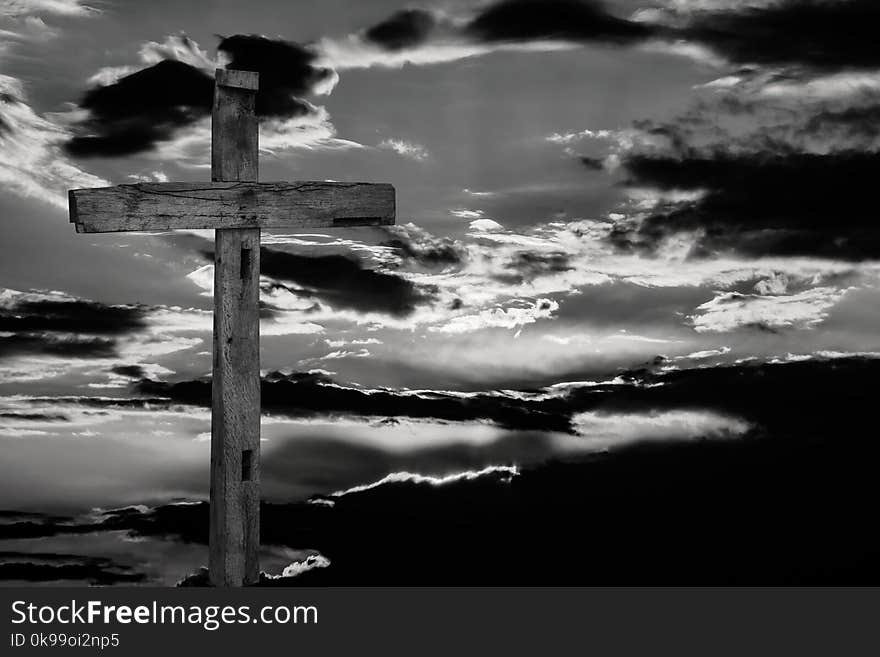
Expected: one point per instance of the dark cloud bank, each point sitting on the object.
(75, 328)
(819, 34)
(303, 394)
(344, 282)
(52, 567)
(404, 29)
(815, 34)
(765, 203)
(532, 20)
(793, 502)
(141, 109)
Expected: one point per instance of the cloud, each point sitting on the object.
(501, 472)
(811, 463)
(70, 346)
(52, 567)
(404, 29)
(309, 563)
(61, 326)
(29, 28)
(25, 313)
(860, 121)
(513, 316)
(141, 109)
(32, 163)
(309, 394)
(831, 34)
(807, 458)
(175, 47)
(287, 71)
(46, 334)
(417, 244)
(732, 310)
(165, 107)
(405, 149)
(419, 36)
(485, 226)
(343, 282)
(463, 213)
(763, 203)
(657, 389)
(59, 7)
(571, 20)
(818, 34)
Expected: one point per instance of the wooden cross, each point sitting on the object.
(237, 207)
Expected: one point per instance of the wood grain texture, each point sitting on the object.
(234, 540)
(235, 417)
(231, 204)
(234, 128)
(241, 79)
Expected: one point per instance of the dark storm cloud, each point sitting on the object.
(761, 393)
(35, 417)
(594, 163)
(792, 503)
(45, 343)
(74, 316)
(6, 99)
(861, 121)
(309, 394)
(819, 34)
(574, 20)
(417, 245)
(141, 109)
(287, 70)
(405, 29)
(131, 371)
(528, 265)
(344, 283)
(66, 328)
(758, 203)
(52, 567)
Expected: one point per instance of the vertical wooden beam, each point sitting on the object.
(235, 416)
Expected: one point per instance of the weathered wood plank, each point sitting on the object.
(235, 417)
(235, 410)
(238, 79)
(234, 129)
(169, 206)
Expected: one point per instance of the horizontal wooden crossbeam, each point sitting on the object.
(170, 206)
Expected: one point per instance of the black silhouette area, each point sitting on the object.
(791, 503)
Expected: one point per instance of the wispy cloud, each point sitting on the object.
(405, 148)
(60, 7)
(32, 161)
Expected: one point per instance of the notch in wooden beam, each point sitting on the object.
(247, 465)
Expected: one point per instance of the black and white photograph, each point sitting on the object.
(455, 293)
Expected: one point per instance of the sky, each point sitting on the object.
(633, 238)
